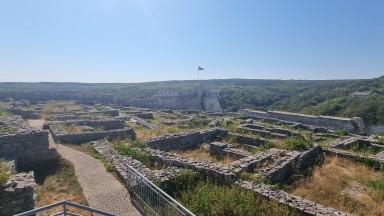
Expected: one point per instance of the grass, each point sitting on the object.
(7, 129)
(210, 199)
(58, 183)
(5, 173)
(71, 128)
(324, 186)
(203, 154)
(296, 143)
(131, 148)
(365, 148)
(3, 113)
(263, 147)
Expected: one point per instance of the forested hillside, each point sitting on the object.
(325, 97)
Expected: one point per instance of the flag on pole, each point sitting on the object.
(199, 68)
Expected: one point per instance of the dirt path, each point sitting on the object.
(102, 190)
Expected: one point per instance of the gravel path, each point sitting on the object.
(102, 190)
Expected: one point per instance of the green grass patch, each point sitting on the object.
(7, 129)
(341, 132)
(263, 147)
(296, 143)
(365, 148)
(5, 173)
(3, 113)
(129, 150)
(210, 199)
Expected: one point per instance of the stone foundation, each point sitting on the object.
(18, 194)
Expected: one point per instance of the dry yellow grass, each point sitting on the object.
(203, 154)
(60, 184)
(327, 182)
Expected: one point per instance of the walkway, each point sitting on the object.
(102, 190)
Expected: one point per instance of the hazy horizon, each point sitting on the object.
(116, 41)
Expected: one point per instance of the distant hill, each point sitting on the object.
(321, 97)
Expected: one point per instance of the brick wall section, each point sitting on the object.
(18, 194)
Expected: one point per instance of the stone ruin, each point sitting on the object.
(21, 146)
(275, 165)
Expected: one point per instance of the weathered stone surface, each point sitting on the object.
(303, 206)
(25, 145)
(109, 132)
(185, 141)
(353, 125)
(18, 194)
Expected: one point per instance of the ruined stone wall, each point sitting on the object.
(185, 141)
(353, 125)
(18, 194)
(303, 206)
(26, 145)
(25, 114)
(78, 138)
(244, 139)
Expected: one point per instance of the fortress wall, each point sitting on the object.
(212, 104)
(179, 102)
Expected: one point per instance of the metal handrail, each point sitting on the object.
(65, 211)
(156, 190)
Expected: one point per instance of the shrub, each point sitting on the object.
(127, 149)
(296, 143)
(109, 167)
(5, 173)
(341, 132)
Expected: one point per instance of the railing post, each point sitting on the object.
(65, 209)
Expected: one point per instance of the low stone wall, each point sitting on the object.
(279, 170)
(144, 123)
(185, 141)
(161, 176)
(25, 114)
(110, 124)
(217, 171)
(91, 136)
(218, 149)
(293, 161)
(144, 115)
(262, 133)
(28, 146)
(353, 125)
(374, 159)
(18, 194)
(244, 139)
(303, 206)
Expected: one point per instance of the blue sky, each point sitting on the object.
(153, 40)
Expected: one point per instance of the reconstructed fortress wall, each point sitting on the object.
(353, 125)
(201, 98)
